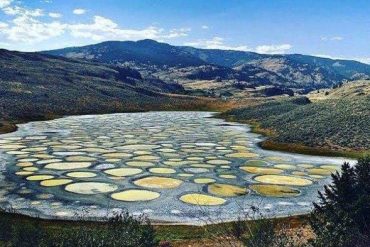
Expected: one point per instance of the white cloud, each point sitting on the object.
(337, 38)
(177, 32)
(4, 44)
(105, 29)
(273, 49)
(326, 56)
(3, 25)
(333, 38)
(205, 27)
(363, 59)
(30, 30)
(359, 59)
(219, 43)
(216, 43)
(102, 29)
(17, 10)
(5, 3)
(25, 27)
(79, 11)
(55, 15)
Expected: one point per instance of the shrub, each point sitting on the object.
(253, 229)
(5, 227)
(121, 230)
(26, 235)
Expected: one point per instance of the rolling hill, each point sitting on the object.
(39, 86)
(294, 71)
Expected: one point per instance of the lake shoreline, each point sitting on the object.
(195, 220)
(7, 127)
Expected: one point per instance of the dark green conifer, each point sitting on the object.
(342, 215)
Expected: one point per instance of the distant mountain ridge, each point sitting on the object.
(144, 51)
(292, 70)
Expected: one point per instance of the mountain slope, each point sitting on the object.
(147, 52)
(226, 58)
(293, 71)
(297, 74)
(34, 85)
(346, 68)
(298, 70)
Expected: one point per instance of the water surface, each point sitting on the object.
(172, 166)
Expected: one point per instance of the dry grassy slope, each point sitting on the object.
(333, 123)
(35, 86)
(299, 75)
(352, 89)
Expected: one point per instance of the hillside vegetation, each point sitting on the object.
(347, 90)
(36, 86)
(335, 123)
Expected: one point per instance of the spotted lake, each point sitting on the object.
(171, 166)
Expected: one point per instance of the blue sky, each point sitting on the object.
(339, 29)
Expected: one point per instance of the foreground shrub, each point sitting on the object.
(26, 235)
(5, 228)
(253, 229)
(122, 230)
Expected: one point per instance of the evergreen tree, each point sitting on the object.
(342, 215)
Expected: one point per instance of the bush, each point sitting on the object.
(253, 229)
(121, 230)
(273, 91)
(5, 227)
(26, 235)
